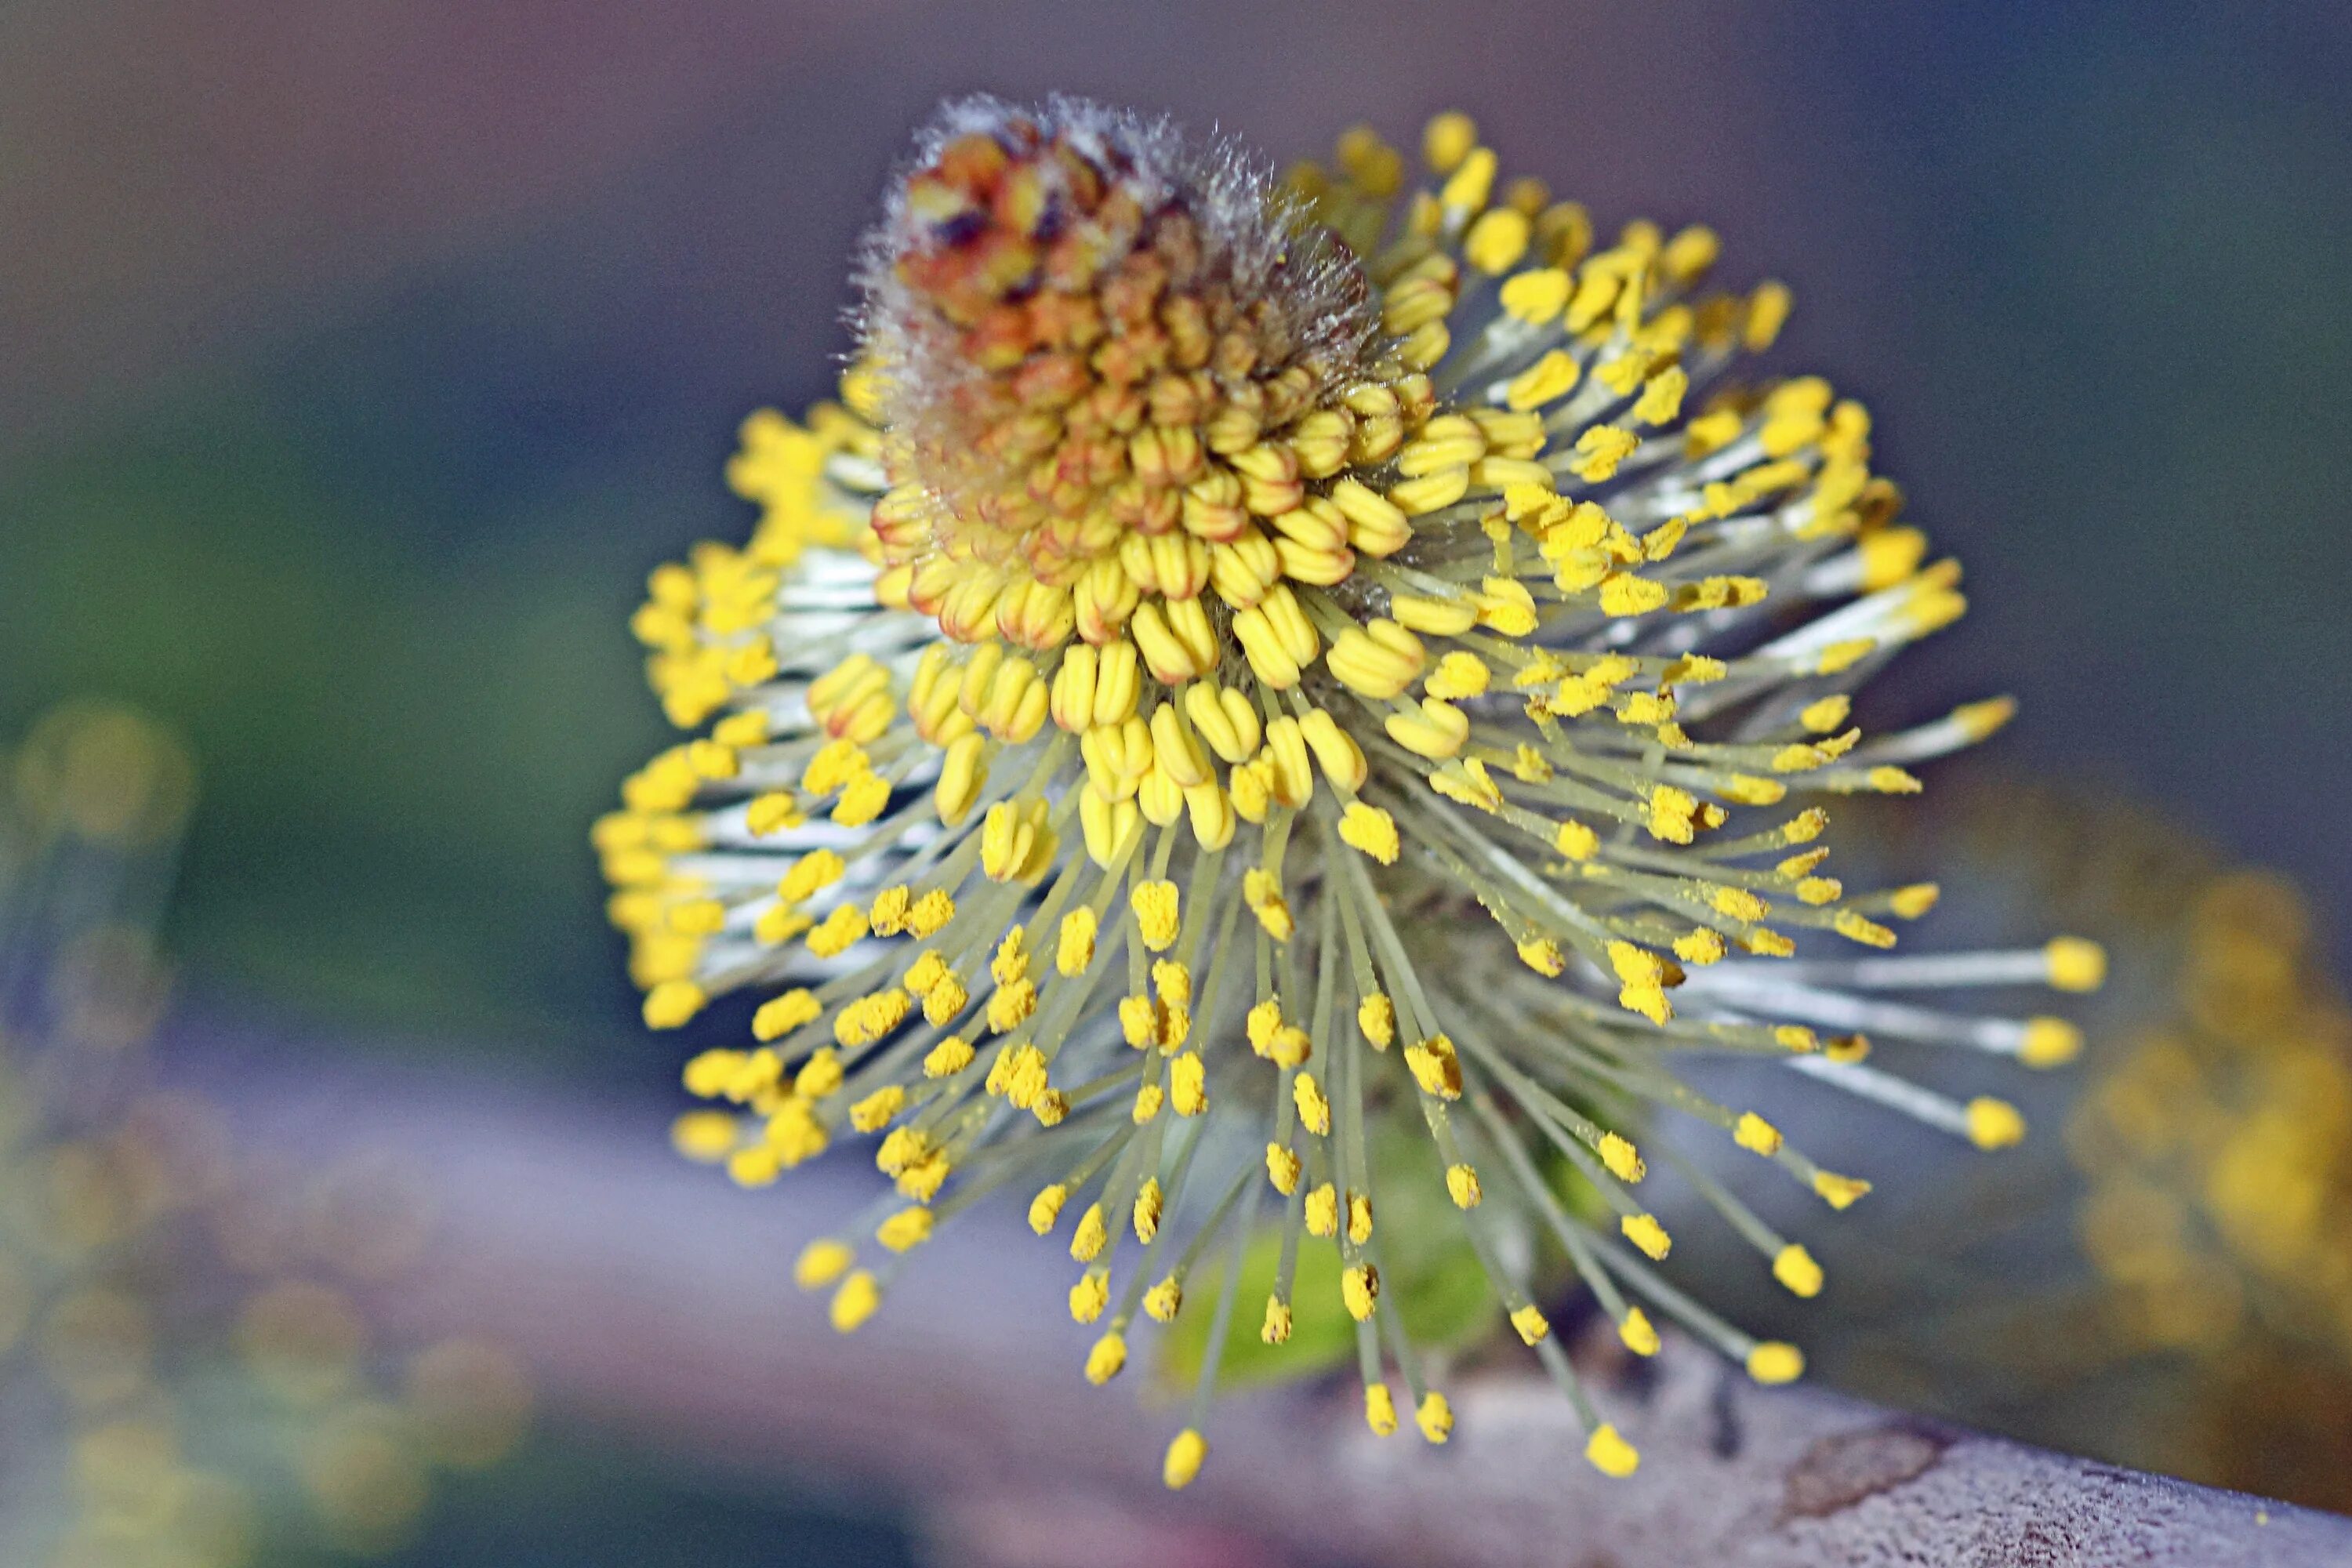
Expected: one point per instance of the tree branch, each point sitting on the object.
(652, 1298)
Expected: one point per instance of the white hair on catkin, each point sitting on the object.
(1255, 234)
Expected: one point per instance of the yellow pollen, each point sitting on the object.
(822, 1262)
(1380, 1409)
(1276, 1329)
(1322, 1211)
(1610, 1454)
(1622, 1160)
(1644, 1232)
(1046, 1207)
(1794, 1267)
(1155, 906)
(1086, 1243)
(1183, 1461)
(2076, 963)
(1531, 1324)
(1314, 1110)
(1106, 1358)
(907, 1228)
(1994, 1123)
(1359, 1291)
(1839, 1192)
(1462, 1185)
(1638, 1334)
(1282, 1169)
(1775, 1360)
(855, 1302)
(2048, 1043)
(1756, 1135)
(673, 1002)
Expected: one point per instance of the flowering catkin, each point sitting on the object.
(1243, 660)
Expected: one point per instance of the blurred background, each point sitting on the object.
(358, 360)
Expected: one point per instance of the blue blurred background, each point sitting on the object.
(357, 360)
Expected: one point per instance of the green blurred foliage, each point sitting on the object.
(402, 738)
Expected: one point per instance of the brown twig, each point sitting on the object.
(652, 1298)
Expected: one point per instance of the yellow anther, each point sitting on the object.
(1359, 1291)
(1376, 1017)
(1576, 841)
(1644, 1232)
(950, 1057)
(1336, 751)
(1622, 1160)
(1794, 1267)
(1188, 1088)
(780, 1015)
(1839, 1192)
(1436, 730)
(961, 778)
(1380, 1409)
(907, 1228)
(1276, 1329)
(1994, 1123)
(1662, 397)
(1496, 241)
(1087, 1241)
(1549, 378)
(928, 913)
(820, 1076)
(1909, 903)
(772, 812)
(2076, 963)
(1622, 594)
(1599, 451)
(1610, 1454)
(1089, 1296)
(1531, 1324)
(1148, 1101)
(1314, 1110)
(1282, 1169)
(1768, 310)
(1321, 1211)
(1046, 1207)
(1147, 1202)
(1156, 909)
(822, 1262)
(1447, 140)
(2048, 1043)
(1372, 831)
(1436, 617)
(1435, 1066)
(1183, 1461)
(1776, 1361)
(1378, 660)
(857, 1301)
(704, 1137)
(1462, 1186)
(1755, 1135)
(1164, 1301)
(1543, 956)
(1106, 1358)
(672, 1002)
(1638, 1334)
(754, 1165)
(1359, 1218)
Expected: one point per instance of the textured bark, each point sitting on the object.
(653, 1301)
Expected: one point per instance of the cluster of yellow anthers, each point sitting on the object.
(1259, 579)
(2219, 1145)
